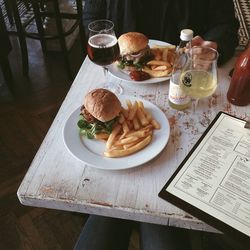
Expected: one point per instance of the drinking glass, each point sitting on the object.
(103, 48)
(199, 74)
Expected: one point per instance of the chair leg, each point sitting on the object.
(7, 73)
(39, 24)
(21, 37)
(62, 38)
(81, 27)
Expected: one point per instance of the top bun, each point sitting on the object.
(132, 42)
(102, 104)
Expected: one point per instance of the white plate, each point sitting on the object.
(91, 151)
(118, 73)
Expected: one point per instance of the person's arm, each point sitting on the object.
(222, 27)
(93, 10)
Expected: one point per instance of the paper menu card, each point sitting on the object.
(215, 176)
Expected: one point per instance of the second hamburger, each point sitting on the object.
(134, 51)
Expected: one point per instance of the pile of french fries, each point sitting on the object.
(133, 131)
(162, 64)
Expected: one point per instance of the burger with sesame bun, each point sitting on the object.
(134, 51)
(99, 113)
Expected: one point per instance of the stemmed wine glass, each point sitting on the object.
(103, 48)
(199, 74)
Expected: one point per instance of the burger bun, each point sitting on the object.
(132, 42)
(102, 104)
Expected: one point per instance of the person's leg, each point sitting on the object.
(218, 241)
(157, 237)
(103, 233)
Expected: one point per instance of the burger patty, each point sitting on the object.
(87, 116)
(136, 58)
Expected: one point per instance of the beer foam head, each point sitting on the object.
(102, 41)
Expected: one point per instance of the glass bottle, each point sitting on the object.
(239, 89)
(177, 99)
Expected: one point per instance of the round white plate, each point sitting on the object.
(90, 151)
(118, 73)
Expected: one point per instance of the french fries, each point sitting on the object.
(157, 73)
(130, 150)
(171, 47)
(162, 64)
(141, 116)
(156, 63)
(101, 136)
(133, 131)
(112, 136)
(132, 112)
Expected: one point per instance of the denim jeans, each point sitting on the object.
(103, 233)
(157, 237)
(216, 241)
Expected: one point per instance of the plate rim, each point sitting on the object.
(112, 161)
(112, 68)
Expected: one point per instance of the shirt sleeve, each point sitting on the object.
(92, 11)
(222, 28)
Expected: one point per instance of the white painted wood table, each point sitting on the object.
(58, 180)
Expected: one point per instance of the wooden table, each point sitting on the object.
(57, 180)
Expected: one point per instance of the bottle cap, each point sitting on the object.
(186, 35)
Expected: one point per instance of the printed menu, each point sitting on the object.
(214, 179)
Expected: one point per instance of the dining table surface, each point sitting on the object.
(57, 179)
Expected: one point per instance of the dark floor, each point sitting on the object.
(25, 117)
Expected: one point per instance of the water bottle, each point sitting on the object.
(177, 98)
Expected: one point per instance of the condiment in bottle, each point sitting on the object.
(239, 89)
(177, 98)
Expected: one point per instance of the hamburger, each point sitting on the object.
(134, 51)
(99, 113)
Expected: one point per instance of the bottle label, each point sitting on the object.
(176, 95)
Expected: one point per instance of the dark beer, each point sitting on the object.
(103, 49)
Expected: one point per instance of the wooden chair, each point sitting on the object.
(40, 15)
(5, 49)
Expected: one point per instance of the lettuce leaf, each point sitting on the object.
(90, 129)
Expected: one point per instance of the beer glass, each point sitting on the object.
(103, 48)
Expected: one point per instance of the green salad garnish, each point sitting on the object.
(90, 129)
